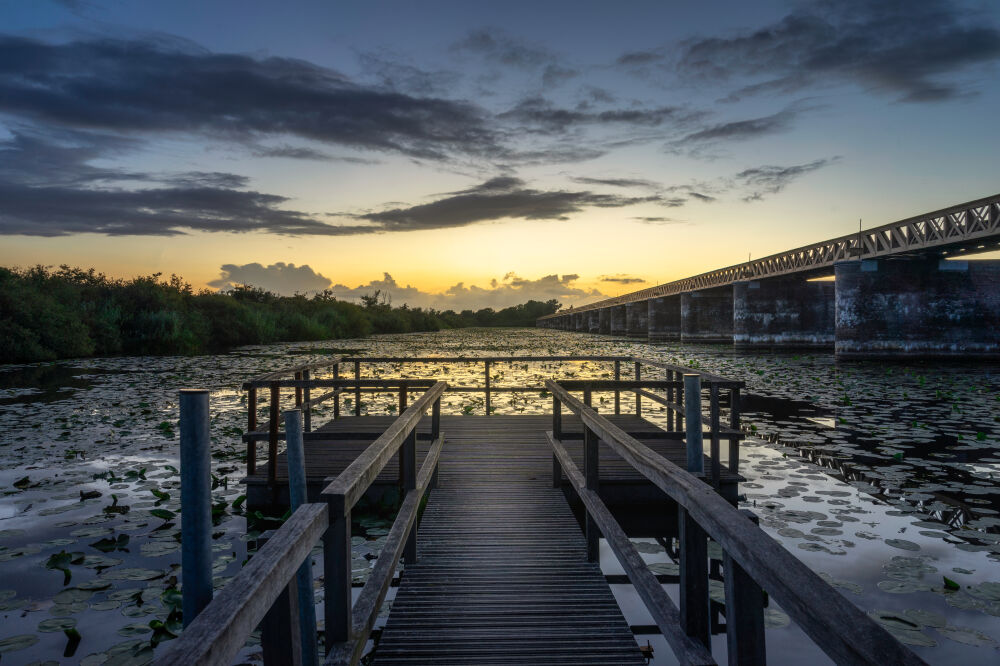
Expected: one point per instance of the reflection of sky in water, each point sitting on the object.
(64, 423)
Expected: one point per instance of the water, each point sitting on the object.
(882, 477)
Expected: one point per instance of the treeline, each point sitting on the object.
(71, 313)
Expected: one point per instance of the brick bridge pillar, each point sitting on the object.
(786, 311)
(664, 318)
(707, 315)
(636, 322)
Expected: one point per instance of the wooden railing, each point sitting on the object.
(752, 561)
(722, 391)
(265, 593)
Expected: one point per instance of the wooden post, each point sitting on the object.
(557, 435)
(298, 390)
(251, 427)
(337, 391)
(306, 395)
(734, 423)
(357, 388)
(337, 574)
(280, 630)
(272, 436)
(592, 474)
(713, 421)
(638, 398)
(298, 493)
(618, 394)
(692, 413)
(744, 614)
(196, 502)
(694, 578)
(680, 401)
(587, 395)
(402, 398)
(488, 410)
(435, 434)
(669, 376)
(408, 467)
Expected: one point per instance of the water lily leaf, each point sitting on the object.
(55, 624)
(18, 642)
(966, 635)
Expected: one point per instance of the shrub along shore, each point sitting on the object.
(71, 313)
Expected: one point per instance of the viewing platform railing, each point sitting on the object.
(751, 559)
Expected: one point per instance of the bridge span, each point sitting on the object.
(901, 289)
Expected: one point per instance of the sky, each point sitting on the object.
(473, 154)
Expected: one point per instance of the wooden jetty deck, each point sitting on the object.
(501, 446)
(503, 565)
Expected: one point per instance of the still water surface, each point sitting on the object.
(881, 477)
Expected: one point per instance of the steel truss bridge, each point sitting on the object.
(974, 225)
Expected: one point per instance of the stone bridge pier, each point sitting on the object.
(787, 311)
(604, 321)
(664, 318)
(918, 307)
(636, 314)
(619, 320)
(593, 321)
(707, 315)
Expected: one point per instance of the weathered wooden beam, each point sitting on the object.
(222, 628)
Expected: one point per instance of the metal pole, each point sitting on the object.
(196, 503)
(297, 496)
(692, 417)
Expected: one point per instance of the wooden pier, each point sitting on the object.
(497, 568)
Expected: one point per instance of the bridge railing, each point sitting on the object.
(265, 592)
(752, 561)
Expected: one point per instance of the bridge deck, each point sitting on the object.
(502, 575)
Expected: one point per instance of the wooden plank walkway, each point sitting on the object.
(525, 448)
(502, 575)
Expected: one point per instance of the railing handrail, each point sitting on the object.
(351, 484)
(836, 625)
(222, 628)
(294, 370)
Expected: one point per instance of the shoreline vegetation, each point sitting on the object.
(47, 315)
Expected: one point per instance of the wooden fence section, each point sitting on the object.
(265, 591)
(751, 561)
(722, 391)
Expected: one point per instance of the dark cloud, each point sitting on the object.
(541, 113)
(510, 290)
(633, 58)
(498, 47)
(496, 199)
(657, 220)
(280, 278)
(707, 198)
(396, 73)
(771, 179)
(739, 130)
(622, 279)
(125, 86)
(49, 188)
(914, 50)
(616, 182)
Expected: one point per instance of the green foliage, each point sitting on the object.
(71, 313)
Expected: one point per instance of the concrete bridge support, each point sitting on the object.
(918, 307)
(707, 315)
(664, 318)
(604, 321)
(619, 320)
(784, 311)
(636, 319)
(593, 321)
(579, 321)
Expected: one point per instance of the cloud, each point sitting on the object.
(48, 187)
(510, 290)
(498, 47)
(541, 113)
(395, 72)
(738, 130)
(622, 279)
(498, 198)
(156, 86)
(280, 278)
(913, 50)
(616, 182)
(771, 179)
(657, 220)
(639, 58)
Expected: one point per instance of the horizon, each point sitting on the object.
(479, 156)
